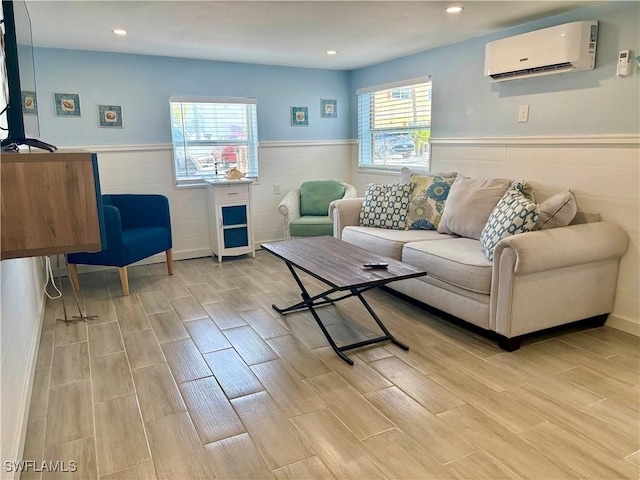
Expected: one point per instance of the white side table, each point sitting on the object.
(230, 217)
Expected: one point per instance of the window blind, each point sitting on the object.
(212, 135)
(394, 125)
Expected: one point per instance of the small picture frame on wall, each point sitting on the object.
(328, 108)
(67, 104)
(299, 116)
(29, 103)
(110, 116)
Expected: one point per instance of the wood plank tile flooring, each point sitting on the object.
(195, 376)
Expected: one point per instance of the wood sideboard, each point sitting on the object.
(51, 204)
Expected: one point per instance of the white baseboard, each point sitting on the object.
(28, 389)
(624, 324)
(258, 245)
(158, 258)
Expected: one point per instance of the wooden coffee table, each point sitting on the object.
(339, 265)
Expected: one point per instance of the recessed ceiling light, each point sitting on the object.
(119, 31)
(454, 9)
(331, 52)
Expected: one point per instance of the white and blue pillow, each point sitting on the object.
(516, 212)
(385, 206)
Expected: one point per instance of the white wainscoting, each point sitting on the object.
(22, 304)
(289, 164)
(603, 172)
(148, 169)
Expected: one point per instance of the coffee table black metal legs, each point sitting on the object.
(324, 298)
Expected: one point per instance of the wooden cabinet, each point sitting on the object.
(51, 204)
(230, 218)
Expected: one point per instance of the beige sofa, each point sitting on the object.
(537, 280)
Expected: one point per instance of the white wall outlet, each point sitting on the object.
(276, 189)
(523, 114)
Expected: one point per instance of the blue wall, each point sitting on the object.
(467, 104)
(142, 85)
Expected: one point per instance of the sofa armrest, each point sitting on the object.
(349, 191)
(344, 213)
(113, 252)
(543, 250)
(289, 208)
(547, 278)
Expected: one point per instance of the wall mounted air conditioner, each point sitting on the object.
(561, 49)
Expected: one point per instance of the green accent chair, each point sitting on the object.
(306, 209)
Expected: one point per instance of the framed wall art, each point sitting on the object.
(110, 116)
(328, 108)
(67, 104)
(29, 103)
(299, 116)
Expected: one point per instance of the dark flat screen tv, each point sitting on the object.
(15, 19)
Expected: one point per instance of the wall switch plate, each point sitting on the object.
(523, 114)
(276, 189)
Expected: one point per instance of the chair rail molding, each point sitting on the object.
(126, 148)
(631, 139)
(305, 143)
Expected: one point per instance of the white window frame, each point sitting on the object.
(375, 152)
(210, 157)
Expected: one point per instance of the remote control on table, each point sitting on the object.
(375, 265)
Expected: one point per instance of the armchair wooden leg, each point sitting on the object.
(170, 261)
(73, 274)
(124, 280)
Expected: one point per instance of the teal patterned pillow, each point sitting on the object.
(385, 206)
(516, 212)
(427, 200)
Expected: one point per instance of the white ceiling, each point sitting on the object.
(288, 33)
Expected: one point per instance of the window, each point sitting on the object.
(401, 93)
(211, 135)
(394, 125)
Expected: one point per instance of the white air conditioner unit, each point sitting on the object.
(561, 49)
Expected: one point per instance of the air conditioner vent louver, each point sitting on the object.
(570, 47)
(531, 72)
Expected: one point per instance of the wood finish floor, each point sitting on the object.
(196, 376)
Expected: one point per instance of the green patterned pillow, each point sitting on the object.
(385, 206)
(516, 212)
(427, 200)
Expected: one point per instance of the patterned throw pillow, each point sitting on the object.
(516, 212)
(427, 200)
(385, 206)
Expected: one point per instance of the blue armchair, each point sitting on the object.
(137, 226)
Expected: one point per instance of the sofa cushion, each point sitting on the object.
(469, 204)
(316, 196)
(385, 242)
(427, 201)
(311, 226)
(385, 206)
(557, 211)
(516, 212)
(458, 261)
